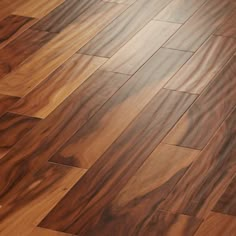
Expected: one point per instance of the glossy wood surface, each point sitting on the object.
(117, 118)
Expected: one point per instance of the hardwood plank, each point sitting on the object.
(12, 26)
(119, 163)
(201, 25)
(195, 75)
(228, 29)
(218, 225)
(18, 50)
(179, 11)
(58, 50)
(121, 1)
(29, 201)
(6, 102)
(123, 28)
(134, 210)
(45, 232)
(37, 9)
(89, 143)
(13, 127)
(201, 121)
(58, 86)
(206, 180)
(141, 47)
(227, 202)
(52, 132)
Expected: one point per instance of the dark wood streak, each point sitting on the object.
(21, 48)
(123, 28)
(6, 102)
(119, 163)
(13, 127)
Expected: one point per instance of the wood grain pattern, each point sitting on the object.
(228, 29)
(205, 181)
(52, 132)
(58, 50)
(37, 9)
(89, 143)
(46, 232)
(18, 50)
(227, 202)
(109, 174)
(6, 102)
(201, 25)
(29, 201)
(58, 86)
(13, 127)
(121, 1)
(123, 28)
(179, 11)
(201, 121)
(141, 47)
(134, 210)
(12, 26)
(218, 225)
(203, 66)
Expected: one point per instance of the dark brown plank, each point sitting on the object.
(89, 143)
(123, 28)
(30, 200)
(227, 202)
(196, 74)
(119, 163)
(6, 102)
(206, 180)
(21, 48)
(13, 127)
(217, 225)
(228, 29)
(12, 26)
(179, 11)
(201, 121)
(63, 15)
(58, 86)
(201, 25)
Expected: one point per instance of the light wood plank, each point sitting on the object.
(46, 232)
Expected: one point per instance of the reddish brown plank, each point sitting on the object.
(89, 143)
(6, 102)
(227, 202)
(201, 121)
(13, 127)
(45, 232)
(218, 225)
(12, 26)
(123, 28)
(206, 180)
(201, 25)
(195, 75)
(21, 48)
(119, 163)
(58, 86)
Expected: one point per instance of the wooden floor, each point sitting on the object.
(118, 117)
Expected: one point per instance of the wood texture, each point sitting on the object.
(227, 202)
(118, 163)
(58, 50)
(203, 66)
(18, 50)
(89, 143)
(45, 232)
(218, 225)
(205, 181)
(13, 127)
(179, 11)
(201, 25)
(201, 121)
(123, 28)
(12, 26)
(141, 47)
(58, 86)
(6, 102)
